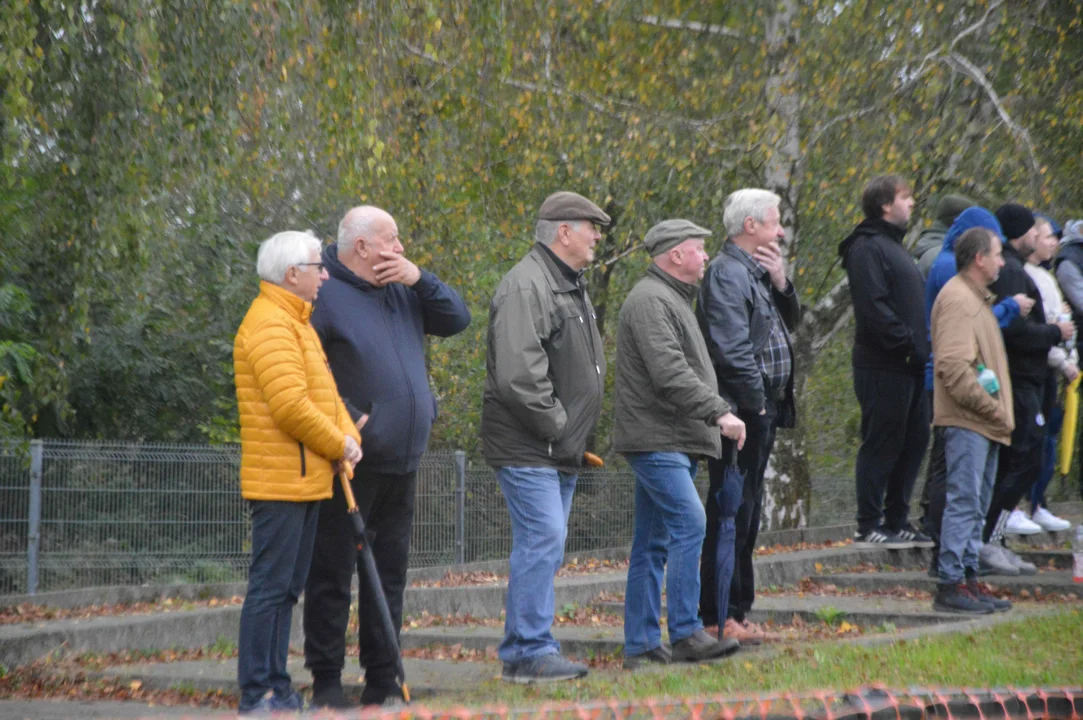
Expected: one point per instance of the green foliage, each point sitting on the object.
(830, 615)
(146, 148)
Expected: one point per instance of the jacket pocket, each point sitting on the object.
(301, 447)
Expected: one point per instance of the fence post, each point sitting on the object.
(33, 545)
(460, 507)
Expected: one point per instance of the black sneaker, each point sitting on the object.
(979, 592)
(700, 646)
(959, 600)
(911, 534)
(543, 669)
(881, 538)
(654, 656)
(381, 696)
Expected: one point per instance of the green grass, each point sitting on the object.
(1042, 651)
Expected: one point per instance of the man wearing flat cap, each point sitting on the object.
(545, 373)
(668, 416)
(746, 310)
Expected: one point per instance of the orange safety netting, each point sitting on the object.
(868, 703)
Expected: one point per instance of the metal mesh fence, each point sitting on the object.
(129, 514)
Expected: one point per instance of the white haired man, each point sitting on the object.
(746, 310)
(295, 434)
(374, 313)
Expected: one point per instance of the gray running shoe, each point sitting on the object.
(1024, 567)
(992, 561)
(543, 669)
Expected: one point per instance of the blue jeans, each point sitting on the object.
(539, 500)
(972, 469)
(283, 534)
(670, 524)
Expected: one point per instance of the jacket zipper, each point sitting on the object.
(301, 446)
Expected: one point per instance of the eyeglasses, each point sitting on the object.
(318, 266)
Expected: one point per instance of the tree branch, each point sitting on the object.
(689, 25)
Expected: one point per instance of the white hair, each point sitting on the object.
(545, 231)
(747, 203)
(358, 222)
(284, 250)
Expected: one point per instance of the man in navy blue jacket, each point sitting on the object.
(372, 318)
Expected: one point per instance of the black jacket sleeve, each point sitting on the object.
(725, 304)
(788, 304)
(1025, 333)
(871, 297)
(443, 310)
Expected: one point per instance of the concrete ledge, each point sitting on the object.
(187, 629)
(487, 601)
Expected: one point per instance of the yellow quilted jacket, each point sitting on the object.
(293, 423)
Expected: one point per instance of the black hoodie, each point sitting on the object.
(374, 338)
(888, 293)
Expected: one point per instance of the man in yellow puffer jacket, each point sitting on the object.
(295, 434)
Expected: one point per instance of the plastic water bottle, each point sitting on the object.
(988, 380)
(1069, 344)
(1077, 555)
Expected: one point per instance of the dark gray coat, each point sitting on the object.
(734, 312)
(666, 396)
(545, 369)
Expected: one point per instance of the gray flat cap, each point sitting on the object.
(566, 205)
(671, 233)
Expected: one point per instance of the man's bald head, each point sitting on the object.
(364, 233)
(363, 221)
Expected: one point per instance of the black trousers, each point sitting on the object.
(894, 436)
(1020, 462)
(752, 460)
(387, 504)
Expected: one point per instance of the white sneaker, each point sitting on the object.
(1048, 521)
(1020, 524)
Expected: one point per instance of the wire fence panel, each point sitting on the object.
(14, 518)
(114, 513)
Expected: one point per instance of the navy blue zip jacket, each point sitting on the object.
(374, 338)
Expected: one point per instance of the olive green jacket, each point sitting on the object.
(666, 397)
(545, 369)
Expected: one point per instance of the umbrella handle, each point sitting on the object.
(351, 503)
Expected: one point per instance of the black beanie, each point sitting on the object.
(1015, 220)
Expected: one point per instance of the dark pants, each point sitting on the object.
(1021, 461)
(282, 539)
(894, 436)
(752, 461)
(935, 494)
(387, 504)
(1054, 421)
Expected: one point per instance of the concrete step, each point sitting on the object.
(865, 612)
(577, 641)
(487, 601)
(424, 677)
(1051, 559)
(1050, 581)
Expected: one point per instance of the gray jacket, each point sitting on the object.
(666, 395)
(545, 369)
(1069, 267)
(928, 246)
(734, 313)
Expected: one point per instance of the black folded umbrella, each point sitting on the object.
(375, 591)
(729, 497)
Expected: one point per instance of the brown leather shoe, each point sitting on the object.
(765, 635)
(742, 633)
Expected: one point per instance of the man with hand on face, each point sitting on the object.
(747, 308)
(372, 318)
(668, 415)
(544, 378)
(891, 347)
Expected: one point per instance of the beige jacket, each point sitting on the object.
(966, 334)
